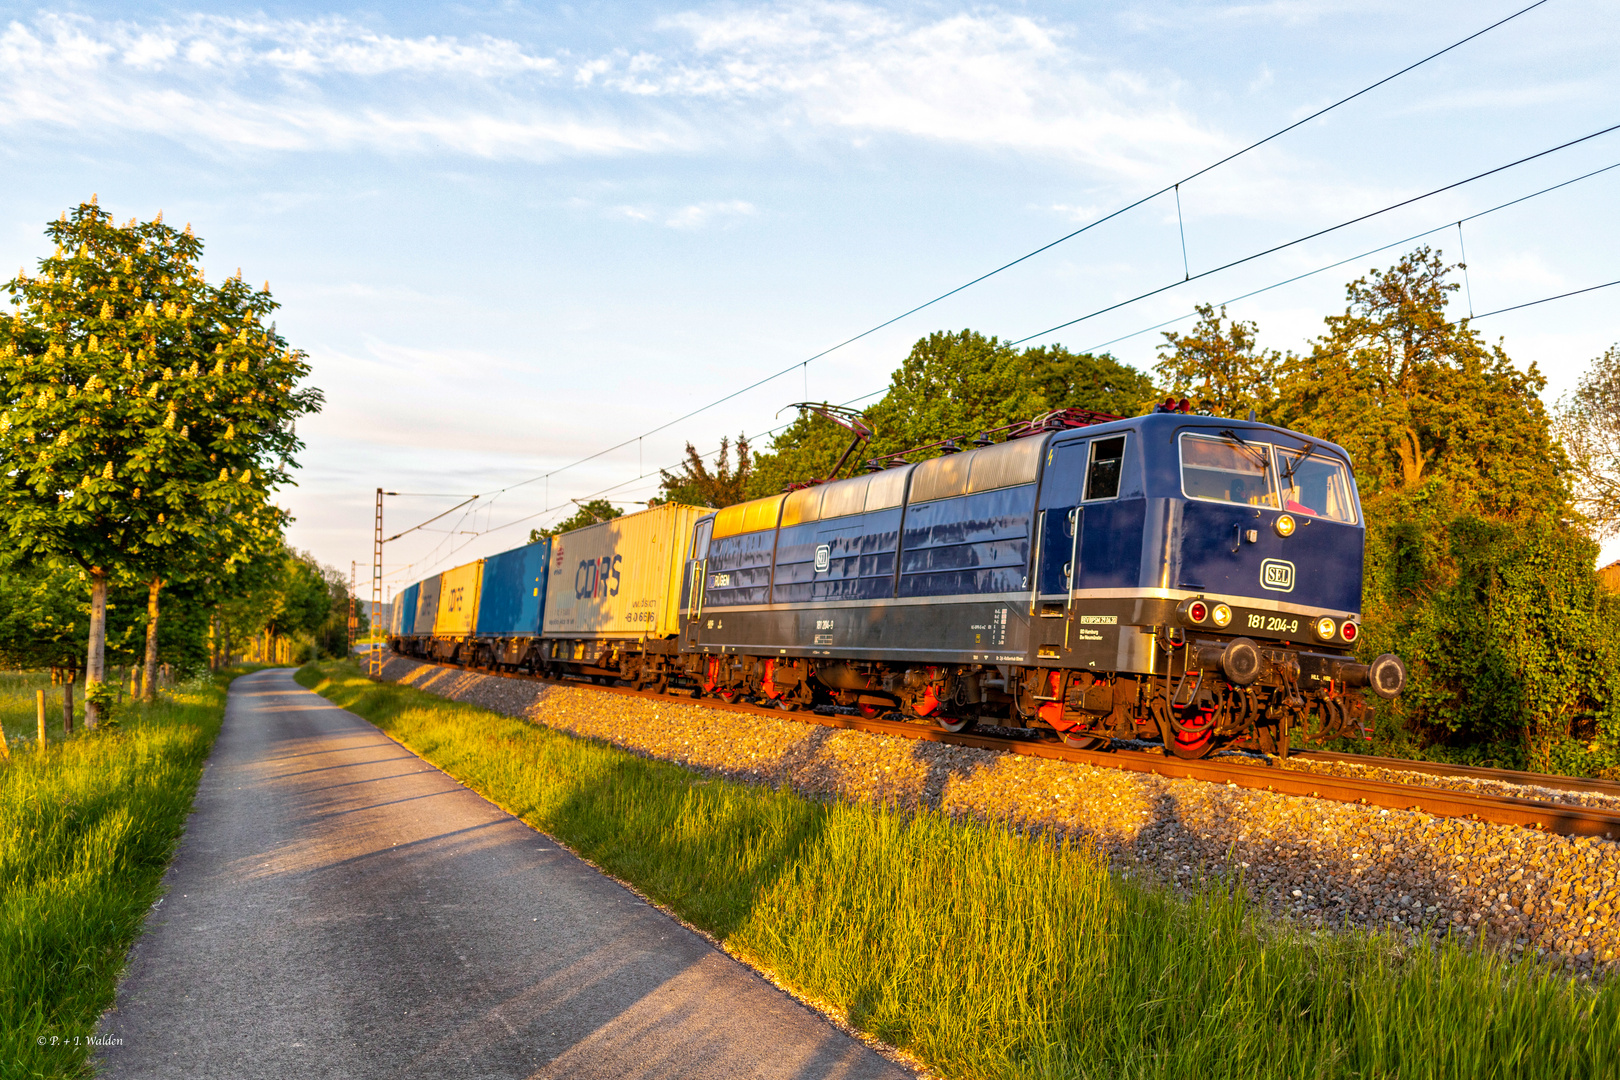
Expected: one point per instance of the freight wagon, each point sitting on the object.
(591, 602)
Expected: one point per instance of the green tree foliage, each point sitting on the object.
(956, 385)
(1219, 366)
(145, 415)
(44, 620)
(589, 513)
(1417, 398)
(286, 593)
(1588, 426)
(1506, 630)
(697, 485)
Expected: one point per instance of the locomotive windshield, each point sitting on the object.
(1227, 470)
(1317, 486)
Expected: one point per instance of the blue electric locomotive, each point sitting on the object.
(1173, 576)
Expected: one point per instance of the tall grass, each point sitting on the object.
(86, 830)
(992, 954)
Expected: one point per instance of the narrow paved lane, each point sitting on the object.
(340, 908)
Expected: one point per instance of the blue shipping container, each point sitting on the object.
(514, 591)
(406, 603)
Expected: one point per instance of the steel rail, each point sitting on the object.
(1472, 772)
(1567, 819)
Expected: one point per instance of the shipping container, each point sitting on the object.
(405, 622)
(513, 593)
(458, 600)
(427, 606)
(621, 578)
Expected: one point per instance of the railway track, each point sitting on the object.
(1245, 772)
(1471, 772)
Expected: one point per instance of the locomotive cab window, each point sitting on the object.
(1107, 459)
(700, 540)
(1226, 470)
(1316, 486)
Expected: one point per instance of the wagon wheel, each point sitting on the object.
(867, 711)
(1085, 740)
(1196, 737)
(955, 724)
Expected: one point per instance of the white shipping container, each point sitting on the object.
(621, 578)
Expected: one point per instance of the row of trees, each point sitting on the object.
(1482, 509)
(147, 417)
(45, 615)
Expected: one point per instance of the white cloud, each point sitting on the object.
(701, 214)
(986, 79)
(273, 85)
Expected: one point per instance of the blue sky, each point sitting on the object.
(510, 235)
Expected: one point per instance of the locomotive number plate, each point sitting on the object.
(1274, 624)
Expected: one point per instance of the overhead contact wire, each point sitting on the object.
(1318, 233)
(1043, 248)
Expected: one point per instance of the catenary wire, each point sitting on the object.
(1355, 258)
(1318, 233)
(632, 480)
(798, 364)
(1136, 333)
(615, 487)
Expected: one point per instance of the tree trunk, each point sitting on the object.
(149, 679)
(95, 664)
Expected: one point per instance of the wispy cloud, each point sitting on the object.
(986, 79)
(288, 85)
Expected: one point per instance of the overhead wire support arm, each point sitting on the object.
(432, 519)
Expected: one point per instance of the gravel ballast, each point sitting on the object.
(1316, 862)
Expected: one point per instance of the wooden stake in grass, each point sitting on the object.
(67, 701)
(5, 747)
(39, 699)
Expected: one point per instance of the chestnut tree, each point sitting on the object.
(146, 415)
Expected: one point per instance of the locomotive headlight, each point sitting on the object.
(1223, 615)
(1284, 525)
(1349, 630)
(1326, 628)
(1197, 611)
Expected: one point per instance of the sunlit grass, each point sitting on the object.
(992, 954)
(86, 830)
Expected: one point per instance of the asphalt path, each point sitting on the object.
(340, 908)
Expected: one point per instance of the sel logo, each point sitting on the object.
(1277, 575)
(823, 557)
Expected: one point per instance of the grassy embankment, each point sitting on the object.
(989, 954)
(86, 830)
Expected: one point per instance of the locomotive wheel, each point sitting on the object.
(1082, 740)
(1196, 737)
(955, 724)
(867, 711)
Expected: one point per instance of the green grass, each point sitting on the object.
(991, 954)
(86, 830)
